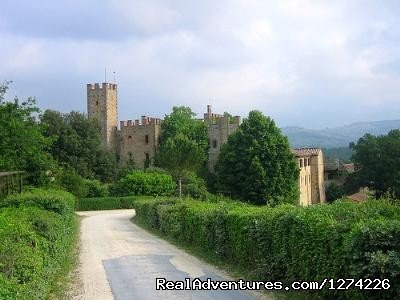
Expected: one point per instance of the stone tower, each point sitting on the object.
(102, 106)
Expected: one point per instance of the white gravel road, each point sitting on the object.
(119, 260)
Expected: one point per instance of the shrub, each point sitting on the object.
(52, 200)
(37, 232)
(95, 188)
(144, 183)
(73, 183)
(288, 243)
(334, 192)
(195, 187)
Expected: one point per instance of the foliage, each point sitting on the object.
(377, 161)
(334, 192)
(181, 121)
(103, 203)
(37, 233)
(95, 188)
(22, 144)
(77, 144)
(139, 182)
(287, 243)
(73, 182)
(257, 165)
(180, 155)
(194, 186)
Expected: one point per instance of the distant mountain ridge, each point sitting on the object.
(337, 136)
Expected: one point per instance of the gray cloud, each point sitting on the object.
(307, 63)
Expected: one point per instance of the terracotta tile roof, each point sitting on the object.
(306, 151)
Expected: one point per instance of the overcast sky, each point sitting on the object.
(313, 64)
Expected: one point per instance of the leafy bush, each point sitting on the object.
(37, 231)
(288, 243)
(73, 183)
(334, 192)
(95, 188)
(151, 183)
(105, 203)
(195, 187)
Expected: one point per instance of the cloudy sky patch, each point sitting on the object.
(307, 63)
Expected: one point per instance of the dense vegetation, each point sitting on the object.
(22, 144)
(287, 243)
(150, 183)
(104, 203)
(257, 165)
(76, 144)
(37, 234)
(377, 161)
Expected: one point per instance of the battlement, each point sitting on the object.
(145, 121)
(103, 86)
(218, 119)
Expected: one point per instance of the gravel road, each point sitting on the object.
(119, 260)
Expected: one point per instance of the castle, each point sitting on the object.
(137, 140)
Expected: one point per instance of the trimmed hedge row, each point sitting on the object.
(37, 232)
(287, 243)
(105, 203)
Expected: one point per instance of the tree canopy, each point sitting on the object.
(77, 144)
(257, 165)
(377, 162)
(182, 121)
(22, 144)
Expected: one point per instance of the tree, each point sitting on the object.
(77, 144)
(377, 163)
(257, 165)
(22, 144)
(182, 121)
(179, 155)
(334, 192)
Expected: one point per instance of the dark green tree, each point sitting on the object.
(182, 121)
(257, 165)
(77, 144)
(22, 144)
(377, 163)
(334, 192)
(180, 155)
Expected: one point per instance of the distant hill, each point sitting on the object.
(337, 136)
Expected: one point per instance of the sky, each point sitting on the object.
(312, 64)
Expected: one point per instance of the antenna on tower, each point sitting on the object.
(105, 74)
(114, 76)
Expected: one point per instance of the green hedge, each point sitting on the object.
(37, 232)
(288, 243)
(105, 203)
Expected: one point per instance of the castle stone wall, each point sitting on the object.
(138, 140)
(102, 106)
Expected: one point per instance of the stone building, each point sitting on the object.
(311, 177)
(219, 128)
(102, 105)
(137, 140)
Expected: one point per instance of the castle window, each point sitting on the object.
(214, 143)
(305, 162)
(129, 137)
(301, 163)
(147, 156)
(97, 103)
(146, 139)
(130, 155)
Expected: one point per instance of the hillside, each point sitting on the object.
(337, 136)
